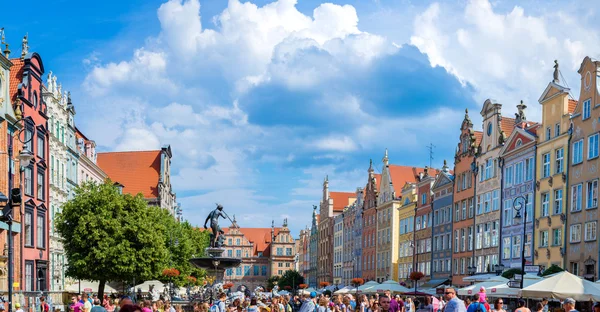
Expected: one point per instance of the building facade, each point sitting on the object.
(152, 176)
(338, 249)
(441, 231)
(348, 266)
(406, 215)
(283, 251)
(518, 187)
(369, 235)
(87, 167)
(464, 200)
(357, 235)
(62, 171)
(553, 147)
(304, 254)
(422, 261)
(582, 219)
(26, 91)
(488, 186)
(9, 127)
(313, 250)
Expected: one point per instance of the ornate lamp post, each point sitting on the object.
(521, 202)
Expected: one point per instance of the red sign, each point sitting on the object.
(470, 292)
(87, 290)
(493, 290)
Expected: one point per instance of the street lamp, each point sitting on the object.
(521, 202)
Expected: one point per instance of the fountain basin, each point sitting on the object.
(207, 263)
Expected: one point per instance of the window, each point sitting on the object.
(280, 251)
(263, 270)
(587, 104)
(237, 241)
(508, 173)
(29, 137)
(576, 197)
(29, 228)
(507, 220)
(229, 253)
(40, 227)
(41, 190)
(545, 204)
(489, 170)
(464, 209)
(238, 253)
(557, 129)
(590, 231)
(548, 134)
(527, 245)
(495, 200)
(238, 271)
(546, 165)
(423, 199)
(471, 238)
(495, 232)
(529, 165)
(519, 173)
(29, 276)
(575, 232)
(560, 154)
(288, 251)
(593, 146)
(516, 246)
(506, 248)
(592, 194)
(556, 237)
(28, 173)
(558, 201)
(40, 145)
(578, 152)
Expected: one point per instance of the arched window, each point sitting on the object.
(35, 99)
(519, 142)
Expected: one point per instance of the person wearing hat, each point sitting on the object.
(569, 305)
(18, 307)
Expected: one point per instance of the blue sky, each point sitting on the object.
(261, 99)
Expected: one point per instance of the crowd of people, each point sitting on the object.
(85, 303)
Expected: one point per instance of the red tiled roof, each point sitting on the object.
(402, 174)
(342, 200)
(378, 181)
(260, 237)
(572, 106)
(507, 125)
(16, 76)
(138, 171)
(478, 137)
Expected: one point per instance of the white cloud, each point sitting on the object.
(336, 143)
(506, 56)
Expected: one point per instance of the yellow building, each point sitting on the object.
(551, 173)
(406, 217)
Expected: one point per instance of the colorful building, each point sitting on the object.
(63, 170)
(369, 235)
(9, 127)
(552, 161)
(349, 215)
(406, 216)
(338, 249)
(488, 186)
(26, 96)
(145, 172)
(441, 263)
(303, 248)
(313, 249)
(422, 260)
(582, 218)
(518, 187)
(464, 200)
(357, 236)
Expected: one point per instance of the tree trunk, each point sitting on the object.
(101, 291)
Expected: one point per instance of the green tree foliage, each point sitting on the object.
(511, 272)
(110, 236)
(271, 282)
(552, 269)
(290, 278)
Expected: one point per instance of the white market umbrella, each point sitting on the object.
(89, 287)
(561, 286)
(307, 291)
(344, 290)
(390, 285)
(366, 286)
(490, 282)
(503, 290)
(145, 286)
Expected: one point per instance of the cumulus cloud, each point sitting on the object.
(507, 56)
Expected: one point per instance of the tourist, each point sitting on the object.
(18, 307)
(75, 306)
(384, 303)
(428, 306)
(409, 305)
(97, 307)
(310, 302)
(362, 303)
(498, 305)
(545, 304)
(400, 303)
(376, 307)
(522, 308)
(323, 304)
(453, 304)
(569, 305)
(346, 303)
(125, 300)
(221, 302)
(476, 305)
(441, 303)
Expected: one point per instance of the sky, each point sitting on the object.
(261, 99)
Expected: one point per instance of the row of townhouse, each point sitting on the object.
(37, 117)
(517, 189)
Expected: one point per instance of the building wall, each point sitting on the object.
(555, 111)
(464, 202)
(283, 251)
(369, 235)
(338, 249)
(441, 266)
(62, 172)
(348, 248)
(423, 224)
(313, 250)
(406, 217)
(582, 255)
(357, 235)
(238, 244)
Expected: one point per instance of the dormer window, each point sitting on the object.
(519, 142)
(35, 100)
(587, 106)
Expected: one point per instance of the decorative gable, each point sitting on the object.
(518, 138)
(441, 180)
(552, 90)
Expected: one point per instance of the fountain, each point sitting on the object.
(214, 259)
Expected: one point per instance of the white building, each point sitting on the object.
(62, 170)
(87, 168)
(338, 249)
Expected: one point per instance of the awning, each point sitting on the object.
(434, 283)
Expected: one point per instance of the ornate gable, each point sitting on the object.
(441, 180)
(518, 138)
(552, 90)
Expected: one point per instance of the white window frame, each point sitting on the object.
(545, 199)
(578, 152)
(546, 165)
(558, 201)
(587, 109)
(559, 161)
(590, 231)
(575, 233)
(591, 194)
(576, 197)
(592, 148)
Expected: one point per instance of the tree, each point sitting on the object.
(510, 273)
(552, 270)
(271, 282)
(111, 236)
(290, 278)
